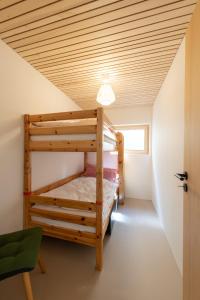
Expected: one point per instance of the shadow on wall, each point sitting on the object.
(11, 130)
(46, 168)
(11, 181)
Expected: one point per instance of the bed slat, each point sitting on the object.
(56, 184)
(106, 222)
(76, 219)
(109, 140)
(66, 237)
(82, 205)
(85, 129)
(72, 115)
(63, 146)
(66, 231)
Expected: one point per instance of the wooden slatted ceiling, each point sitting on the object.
(75, 42)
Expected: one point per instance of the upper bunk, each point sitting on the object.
(75, 131)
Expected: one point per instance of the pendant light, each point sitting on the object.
(105, 94)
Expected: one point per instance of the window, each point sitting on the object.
(136, 138)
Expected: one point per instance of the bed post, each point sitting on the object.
(85, 160)
(99, 190)
(27, 170)
(120, 146)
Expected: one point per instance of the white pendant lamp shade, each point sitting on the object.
(105, 94)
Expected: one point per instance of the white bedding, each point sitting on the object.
(81, 189)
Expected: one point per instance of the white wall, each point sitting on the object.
(167, 153)
(24, 90)
(138, 167)
(109, 160)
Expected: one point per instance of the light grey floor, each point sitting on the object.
(138, 264)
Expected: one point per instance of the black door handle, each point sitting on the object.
(185, 187)
(182, 176)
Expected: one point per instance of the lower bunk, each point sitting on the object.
(68, 210)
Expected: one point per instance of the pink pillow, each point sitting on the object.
(90, 171)
(109, 174)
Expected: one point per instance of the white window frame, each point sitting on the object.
(146, 137)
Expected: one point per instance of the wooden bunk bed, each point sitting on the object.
(89, 123)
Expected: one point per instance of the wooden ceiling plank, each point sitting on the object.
(22, 8)
(124, 80)
(183, 21)
(74, 43)
(127, 91)
(113, 73)
(90, 47)
(124, 103)
(100, 70)
(104, 58)
(32, 26)
(110, 19)
(130, 85)
(105, 66)
(50, 63)
(71, 18)
(133, 104)
(60, 66)
(129, 88)
(43, 12)
(66, 73)
(116, 48)
(152, 71)
(81, 99)
(85, 92)
(139, 25)
(7, 3)
(122, 96)
(127, 100)
(128, 77)
(130, 81)
(57, 51)
(94, 92)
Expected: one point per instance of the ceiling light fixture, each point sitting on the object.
(105, 94)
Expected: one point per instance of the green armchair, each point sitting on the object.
(19, 254)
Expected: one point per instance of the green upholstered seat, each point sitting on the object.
(19, 251)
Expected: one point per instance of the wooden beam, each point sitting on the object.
(71, 115)
(109, 140)
(99, 190)
(106, 222)
(27, 169)
(53, 215)
(71, 232)
(56, 184)
(85, 160)
(121, 166)
(63, 146)
(68, 203)
(71, 238)
(83, 129)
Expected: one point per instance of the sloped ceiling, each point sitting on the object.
(74, 43)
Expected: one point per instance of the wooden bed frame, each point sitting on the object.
(33, 197)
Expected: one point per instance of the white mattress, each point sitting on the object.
(81, 189)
